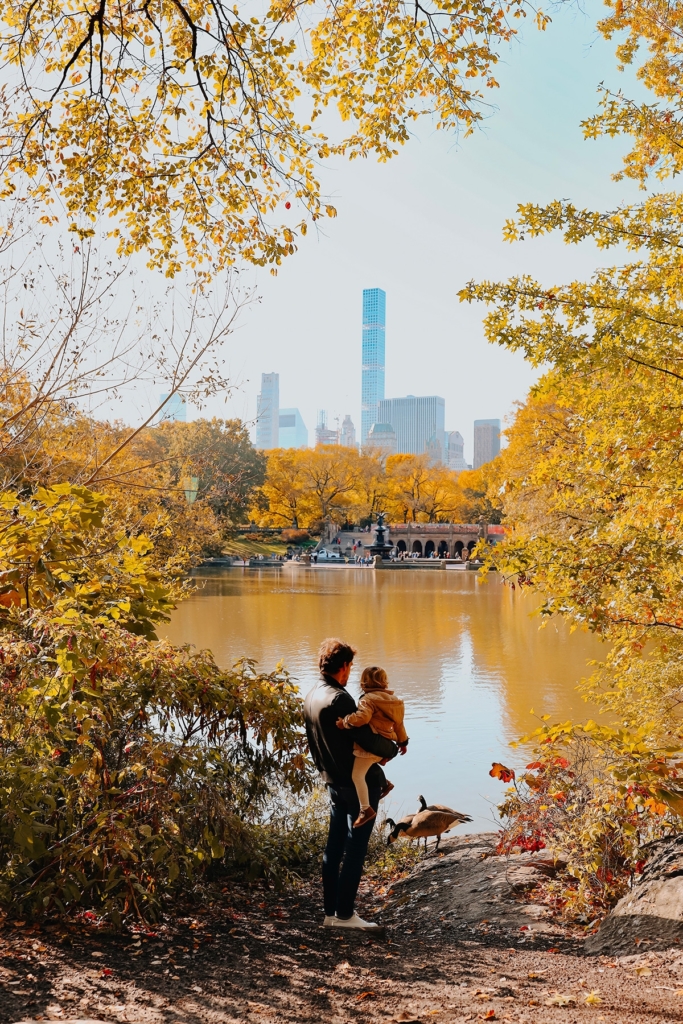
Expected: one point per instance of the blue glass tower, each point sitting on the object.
(372, 387)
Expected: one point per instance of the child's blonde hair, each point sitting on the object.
(374, 678)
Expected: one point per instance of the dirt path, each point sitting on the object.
(262, 957)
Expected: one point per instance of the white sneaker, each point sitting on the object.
(357, 923)
(330, 921)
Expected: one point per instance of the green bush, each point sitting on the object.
(127, 766)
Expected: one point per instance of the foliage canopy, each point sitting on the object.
(592, 479)
(191, 123)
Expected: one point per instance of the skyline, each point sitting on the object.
(416, 423)
(424, 224)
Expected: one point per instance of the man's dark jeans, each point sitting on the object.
(347, 843)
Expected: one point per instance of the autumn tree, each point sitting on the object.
(305, 486)
(592, 478)
(191, 124)
(479, 494)
(284, 498)
(418, 491)
(220, 455)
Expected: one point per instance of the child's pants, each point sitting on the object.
(361, 766)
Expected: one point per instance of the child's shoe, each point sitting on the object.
(388, 786)
(366, 815)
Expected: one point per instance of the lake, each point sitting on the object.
(469, 659)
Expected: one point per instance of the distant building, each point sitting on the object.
(268, 412)
(486, 441)
(348, 433)
(323, 435)
(381, 438)
(293, 432)
(175, 410)
(416, 422)
(434, 450)
(372, 386)
(455, 451)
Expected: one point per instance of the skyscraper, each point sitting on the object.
(455, 451)
(381, 439)
(416, 422)
(268, 412)
(348, 433)
(372, 387)
(486, 441)
(293, 432)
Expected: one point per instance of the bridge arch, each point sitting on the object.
(401, 545)
(429, 548)
(417, 546)
(443, 549)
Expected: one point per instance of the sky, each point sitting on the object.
(423, 225)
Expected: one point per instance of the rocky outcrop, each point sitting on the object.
(652, 912)
(466, 886)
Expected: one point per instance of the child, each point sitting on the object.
(383, 712)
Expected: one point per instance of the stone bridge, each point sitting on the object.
(443, 539)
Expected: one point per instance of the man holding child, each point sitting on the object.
(331, 742)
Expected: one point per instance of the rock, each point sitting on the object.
(652, 912)
(468, 886)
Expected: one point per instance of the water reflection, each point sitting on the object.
(468, 659)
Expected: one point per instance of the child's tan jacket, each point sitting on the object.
(383, 712)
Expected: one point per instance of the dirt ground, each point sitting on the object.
(259, 956)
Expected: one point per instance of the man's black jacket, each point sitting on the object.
(332, 748)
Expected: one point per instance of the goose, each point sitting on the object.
(398, 826)
(424, 806)
(427, 823)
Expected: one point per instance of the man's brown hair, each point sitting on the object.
(333, 655)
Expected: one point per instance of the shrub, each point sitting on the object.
(592, 796)
(294, 536)
(127, 765)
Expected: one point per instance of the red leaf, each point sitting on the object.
(499, 771)
(366, 995)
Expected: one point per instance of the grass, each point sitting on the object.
(243, 548)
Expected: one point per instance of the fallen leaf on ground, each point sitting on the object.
(365, 995)
(344, 966)
(96, 952)
(482, 995)
(679, 992)
(489, 1015)
(593, 999)
(559, 999)
(643, 972)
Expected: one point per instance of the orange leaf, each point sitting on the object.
(366, 995)
(499, 771)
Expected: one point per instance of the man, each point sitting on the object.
(332, 752)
